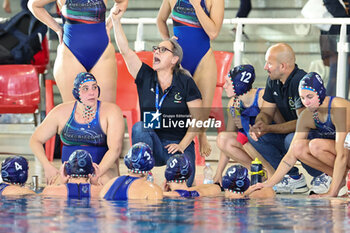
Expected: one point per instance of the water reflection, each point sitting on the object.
(13, 214)
(282, 214)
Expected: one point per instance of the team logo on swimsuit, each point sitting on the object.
(152, 120)
(85, 189)
(177, 98)
(291, 103)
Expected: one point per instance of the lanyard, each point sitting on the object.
(159, 103)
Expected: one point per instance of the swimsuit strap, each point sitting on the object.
(329, 108)
(2, 187)
(256, 98)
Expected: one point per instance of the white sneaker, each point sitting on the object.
(320, 184)
(291, 185)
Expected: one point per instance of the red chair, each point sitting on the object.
(41, 61)
(42, 58)
(223, 63)
(127, 96)
(19, 89)
(50, 144)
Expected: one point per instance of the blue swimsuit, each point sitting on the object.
(185, 193)
(2, 187)
(78, 191)
(89, 137)
(326, 129)
(120, 187)
(191, 36)
(84, 30)
(249, 114)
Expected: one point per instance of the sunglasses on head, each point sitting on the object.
(161, 49)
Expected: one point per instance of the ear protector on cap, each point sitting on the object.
(242, 78)
(236, 179)
(313, 82)
(80, 79)
(79, 164)
(178, 168)
(139, 158)
(14, 170)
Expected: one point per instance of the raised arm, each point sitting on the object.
(38, 10)
(212, 24)
(163, 15)
(123, 5)
(132, 61)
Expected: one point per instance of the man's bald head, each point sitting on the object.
(280, 61)
(283, 53)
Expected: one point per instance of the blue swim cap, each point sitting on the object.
(242, 78)
(313, 82)
(139, 158)
(236, 179)
(82, 78)
(79, 164)
(178, 168)
(14, 170)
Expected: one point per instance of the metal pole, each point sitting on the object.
(343, 49)
(139, 43)
(238, 45)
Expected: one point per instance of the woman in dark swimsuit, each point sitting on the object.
(139, 161)
(76, 174)
(195, 24)
(329, 117)
(178, 170)
(84, 44)
(14, 173)
(88, 124)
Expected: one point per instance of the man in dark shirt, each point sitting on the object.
(273, 140)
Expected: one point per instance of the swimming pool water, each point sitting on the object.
(282, 214)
